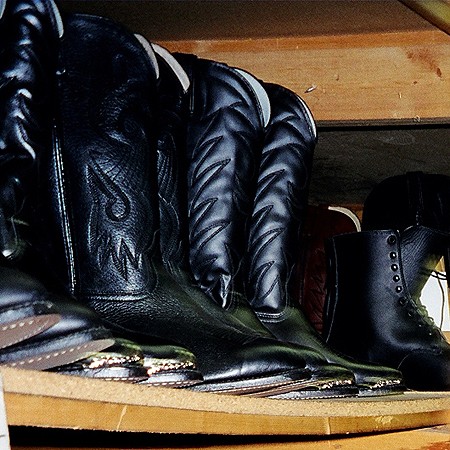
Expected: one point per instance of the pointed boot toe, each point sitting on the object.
(170, 366)
(279, 209)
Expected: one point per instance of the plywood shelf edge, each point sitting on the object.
(57, 401)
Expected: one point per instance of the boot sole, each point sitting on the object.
(19, 330)
(257, 386)
(55, 352)
(174, 379)
(388, 389)
(125, 374)
(318, 387)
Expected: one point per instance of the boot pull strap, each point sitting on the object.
(150, 52)
(260, 92)
(174, 65)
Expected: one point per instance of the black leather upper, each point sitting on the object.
(278, 214)
(224, 138)
(105, 206)
(413, 198)
(28, 53)
(373, 310)
(280, 203)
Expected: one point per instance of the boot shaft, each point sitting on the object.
(410, 199)
(224, 136)
(280, 202)
(29, 39)
(173, 94)
(413, 198)
(100, 179)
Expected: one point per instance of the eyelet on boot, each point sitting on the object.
(396, 278)
(398, 289)
(393, 255)
(394, 267)
(402, 301)
(391, 239)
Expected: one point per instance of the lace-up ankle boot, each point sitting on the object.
(373, 310)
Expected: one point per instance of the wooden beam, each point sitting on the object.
(401, 77)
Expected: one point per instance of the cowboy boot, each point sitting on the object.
(278, 213)
(41, 329)
(156, 365)
(414, 198)
(105, 213)
(376, 278)
(25, 307)
(216, 172)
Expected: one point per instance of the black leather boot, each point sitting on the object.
(278, 214)
(413, 198)
(39, 329)
(373, 310)
(105, 213)
(218, 160)
(25, 308)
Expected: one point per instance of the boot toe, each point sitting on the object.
(427, 370)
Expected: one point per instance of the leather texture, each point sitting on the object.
(373, 310)
(105, 205)
(29, 40)
(222, 151)
(28, 44)
(225, 134)
(279, 211)
(29, 36)
(413, 198)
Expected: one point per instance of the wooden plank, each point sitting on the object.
(41, 399)
(360, 62)
(365, 79)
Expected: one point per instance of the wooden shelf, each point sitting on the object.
(354, 62)
(376, 76)
(50, 400)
